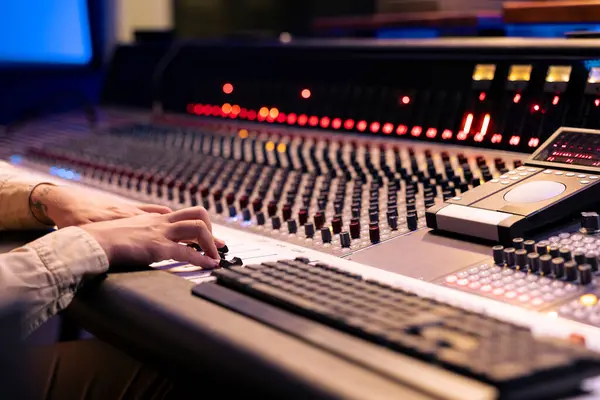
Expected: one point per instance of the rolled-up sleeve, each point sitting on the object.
(15, 188)
(45, 273)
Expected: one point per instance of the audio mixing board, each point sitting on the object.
(462, 187)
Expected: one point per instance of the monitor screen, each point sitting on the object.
(45, 32)
(571, 147)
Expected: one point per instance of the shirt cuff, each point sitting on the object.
(71, 255)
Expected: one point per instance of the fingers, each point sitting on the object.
(194, 230)
(179, 252)
(219, 242)
(192, 213)
(154, 208)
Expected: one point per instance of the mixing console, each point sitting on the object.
(332, 195)
(336, 191)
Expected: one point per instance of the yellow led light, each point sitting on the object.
(519, 73)
(484, 72)
(270, 146)
(281, 147)
(263, 112)
(559, 73)
(226, 108)
(273, 113)
(243, 133)
(589, 299)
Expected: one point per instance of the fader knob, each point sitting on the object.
(292, 226)
(260, 218)
(584, 272)
(319, 219)
(570, 270)
(246, 214)
(590, 222)
(355, 228)
(345, 239)
(309, 230)
(546, 264)
(393, 222)
(592, 259)
(276, 222)
(336, 224)
(303, 216)
(272, 208)
(286, 212)
(411, 221)
(325, 235)
(498, 252)
(374, 232)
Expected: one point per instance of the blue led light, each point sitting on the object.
(15, 159)
(547, 30)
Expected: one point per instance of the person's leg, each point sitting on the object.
(91, 369)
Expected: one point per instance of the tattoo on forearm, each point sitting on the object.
(38, 204)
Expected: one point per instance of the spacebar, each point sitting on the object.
(408, 371)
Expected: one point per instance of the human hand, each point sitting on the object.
(151, 237)
(68, 206)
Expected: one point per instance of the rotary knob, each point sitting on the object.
(590, 222)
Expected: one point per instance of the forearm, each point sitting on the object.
(45, 274)
(15, 190)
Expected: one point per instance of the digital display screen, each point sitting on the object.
(45, 32)
(519, 73)
(484, 72)
(571, 147)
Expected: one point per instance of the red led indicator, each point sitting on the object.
(281, 118)
(387, 128)
(361, 125)
(485, 125)
(535, 108)
(597, 102)
(517, 98)
(431, 133)
(251, 115)
(325, 122)
(462, 135)
(447, 134)
(228, 88)
(468, 123)
(235, 109)
(375, 127)
(243, 113)
(514, 141)
(313, 120)
(292, 118)
(198, 109)
(401, 130)
(349, 124)
(336, 123)
(479, 137)
(496, 138)
(302, 120)
(216, 110)
(555, 100)
(533, 142)
(482, 96)
(416, 131)
(305, 93)
(405, 99)
(273, 113)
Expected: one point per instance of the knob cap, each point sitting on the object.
(570, 270)
(411, 221)
(336, 224)
(292, 226)
(302, 216)
(529, 245)
(246, 214)
(319, 219)
(355, 228)
(533, 260)
(309, 230)
(579, 257)
(518, 243)
(590, 222)
(345, 239)
(325, 235)
(591, 258)
(584, 272)
(554, 251)
(393, 223)
(541, 248)
(498, 253)
(260, 218)
(374, 232)
(509, 256)
(521, 261)
(565, 253)
(558, 267)
(276, 222)
(545, 264)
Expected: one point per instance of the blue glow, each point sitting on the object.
(589, 64)
(45, 31)
(15, 159)
(65, 173)
(547, 30)
(407, 33)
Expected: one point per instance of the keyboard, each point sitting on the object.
(394, 331)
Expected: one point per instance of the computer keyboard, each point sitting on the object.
(292, 294)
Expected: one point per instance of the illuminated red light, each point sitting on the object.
(533, 142)
(313, 120)
(243, 113)
(349, 124)
(305, 93)
(198, 109)
(251, 115)
(485, 125)
(292, 118)
(387, 128)
(536, 107)
(462, 135)
(190, 108)
(416, 131)
(302, 120)
(405, 99)
(375, 127)
(479, 137)
(401, 130)
(216, 110)
(482, 96)
(447, 134)
(263, 112)
(496, 138)
(281, 118)
(361, 125)
(468, 123)
(336, 123)
(226, 108)
(517, 98)
(515, 140)
(325, 122)
(431, 133)
(228, 88)
(273, 113)
(235, 109)
(597, 102)
(555, 100)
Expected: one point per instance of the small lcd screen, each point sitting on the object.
(572, 148)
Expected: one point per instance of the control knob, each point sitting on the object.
(590, 222)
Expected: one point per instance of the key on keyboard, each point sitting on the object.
(496, 353)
